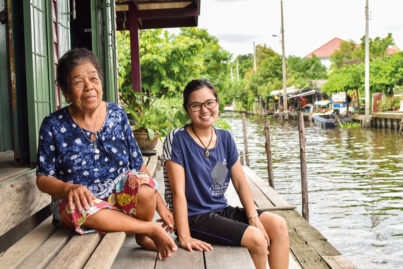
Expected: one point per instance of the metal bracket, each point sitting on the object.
(3, 16)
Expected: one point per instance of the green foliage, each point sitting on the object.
(169, 61)
(349, 125)
(389, 104)
(350, 52)
(386, 74)
(306, 68)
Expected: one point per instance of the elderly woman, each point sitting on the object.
(89, 162)
(200, 160)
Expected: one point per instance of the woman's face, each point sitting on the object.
(205, 117)
(85, 87)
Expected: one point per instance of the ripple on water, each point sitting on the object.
(355, 182)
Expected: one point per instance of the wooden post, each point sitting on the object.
(241, 157)
(245, 138)
(304, 182)
(401, 126)
(268, 153)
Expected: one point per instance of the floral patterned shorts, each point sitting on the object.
(123, 198)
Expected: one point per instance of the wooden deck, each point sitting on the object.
(48, 247)
(308, 247)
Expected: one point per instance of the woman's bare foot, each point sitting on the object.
(145, 242)
(162, 242)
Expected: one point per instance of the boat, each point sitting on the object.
(328, 121)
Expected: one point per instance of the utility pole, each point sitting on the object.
(232, 77)
(366, 65)
(254, 57)
(285, 109)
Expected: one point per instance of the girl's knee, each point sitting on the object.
(253, 238)
(275, 225)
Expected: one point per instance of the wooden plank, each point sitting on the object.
(106, 252)
(311, 235)
(228, 257)
(260, 199)
(145, 160)
(183, 259)
(48, 250)
(27, 245)
(385, 115)
(131, 254)
(152, 165)
(339, 262)
(268, 191)
(76, 252)
(20, 199)
(293, 263)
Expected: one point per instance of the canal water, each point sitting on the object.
(355, 183)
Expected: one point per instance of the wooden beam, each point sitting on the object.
(106, 252)
(48, 250)
(76, 252)
(20, 199)
(134, 48)
(13, 257)
(189, 11)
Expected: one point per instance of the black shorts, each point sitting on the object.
(225, 227)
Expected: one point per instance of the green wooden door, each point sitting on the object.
(39, 69)
(61, 39)
(6, 142)
(104, 43)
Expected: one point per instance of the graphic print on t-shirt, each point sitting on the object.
(218, 175)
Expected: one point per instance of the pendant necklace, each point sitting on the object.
(206, 152)
(89, 139)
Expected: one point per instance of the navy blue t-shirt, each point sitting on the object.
(206, 178)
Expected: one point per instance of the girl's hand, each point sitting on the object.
(258, 224)
(191, 243)
(78, 196)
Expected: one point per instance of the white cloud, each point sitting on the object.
(308, 24)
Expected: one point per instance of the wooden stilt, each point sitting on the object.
(268, 153)
(245, 138)
(304, 181)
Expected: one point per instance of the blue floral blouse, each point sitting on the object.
(66, 152)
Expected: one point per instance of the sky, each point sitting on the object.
(308, 24)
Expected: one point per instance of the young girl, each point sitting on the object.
(200, 160)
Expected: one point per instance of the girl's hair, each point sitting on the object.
(194, 85)
(70, 60)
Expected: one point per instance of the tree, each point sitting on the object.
(169, 61)
(350, 52)
(307, 69)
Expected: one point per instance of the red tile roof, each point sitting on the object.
(328, 48)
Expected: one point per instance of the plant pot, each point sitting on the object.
(146, 145)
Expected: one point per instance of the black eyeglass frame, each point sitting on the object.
(202, 104)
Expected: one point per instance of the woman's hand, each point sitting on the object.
(255, 221)
(167, 218)
(191, 243)
(80, 197)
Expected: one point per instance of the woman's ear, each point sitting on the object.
(66, 95)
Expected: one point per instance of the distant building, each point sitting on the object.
(326, 50)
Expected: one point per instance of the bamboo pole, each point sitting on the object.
(268, 153)
(245, 138)
(304, 181)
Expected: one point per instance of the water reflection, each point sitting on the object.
(355, 182)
